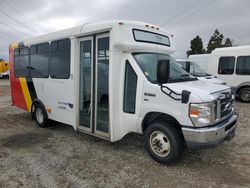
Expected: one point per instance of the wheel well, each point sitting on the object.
(157, 116)
(241, 87)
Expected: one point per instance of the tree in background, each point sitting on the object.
(228, 42)
(1, 60)
(196, 46)
(216, 41)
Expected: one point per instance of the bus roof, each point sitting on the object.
(233, 51)
(89, 28)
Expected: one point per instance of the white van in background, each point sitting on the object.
(198, 72)
(231, 64)
(201, 59)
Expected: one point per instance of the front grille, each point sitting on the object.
(226, 105)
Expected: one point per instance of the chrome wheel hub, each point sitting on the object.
(246, 95)
(160, 144)
(39, 115)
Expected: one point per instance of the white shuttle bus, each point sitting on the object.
(194, 69)
(112, 78)
(231, 64)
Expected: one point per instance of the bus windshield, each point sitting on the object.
(196, 70)
(148, 64)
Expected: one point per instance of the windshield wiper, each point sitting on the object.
(187, 77)
(184, 75)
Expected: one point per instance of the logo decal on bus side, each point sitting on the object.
(64, 105)
(150, 94)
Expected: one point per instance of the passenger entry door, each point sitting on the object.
(94, 88)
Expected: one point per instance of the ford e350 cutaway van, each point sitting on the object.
(112, 78)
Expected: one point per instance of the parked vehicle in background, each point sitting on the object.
(200, 59)
(232, 65)
(112, 78)
(198, 72)
(5, 75)
(4, 69)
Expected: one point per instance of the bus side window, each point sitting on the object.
(39, 60)
(226, 65)
(243, 65)
(130, 86)
(59, 67)
(21, 62)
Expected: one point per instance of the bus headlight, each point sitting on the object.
(200, 114)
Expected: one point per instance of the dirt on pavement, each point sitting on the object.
(57, 156)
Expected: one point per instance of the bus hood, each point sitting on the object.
(198, 88)
(212, 79)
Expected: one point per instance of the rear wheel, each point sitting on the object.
(244, 94)
(163, 142)
(40, 116)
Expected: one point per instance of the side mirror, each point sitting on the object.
(163, 71)
(185, 96)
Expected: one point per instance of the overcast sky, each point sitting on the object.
(20, 19)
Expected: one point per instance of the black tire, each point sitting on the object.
(40, 116)
(172, 138)
(244, 95)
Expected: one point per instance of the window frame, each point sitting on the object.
(127, 63)
(233, 65)
(63, 49)
(237, 65)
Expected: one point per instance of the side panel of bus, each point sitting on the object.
(18, 85)
(55, 91)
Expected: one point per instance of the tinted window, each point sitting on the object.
(39, 61)
(146, 36)
(33, 49)
(130, 86)
(21, 62)
(60, 59)
(226, 65)
(102, 115)
(243, 65)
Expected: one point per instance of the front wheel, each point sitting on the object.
(163, 142)
(244, 94)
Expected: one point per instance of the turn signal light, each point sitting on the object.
(49, 110)
(194, 113)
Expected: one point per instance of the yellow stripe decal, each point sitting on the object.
(26, 93)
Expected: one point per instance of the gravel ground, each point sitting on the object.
(58, 156)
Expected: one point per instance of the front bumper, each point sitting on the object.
(197, 138)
